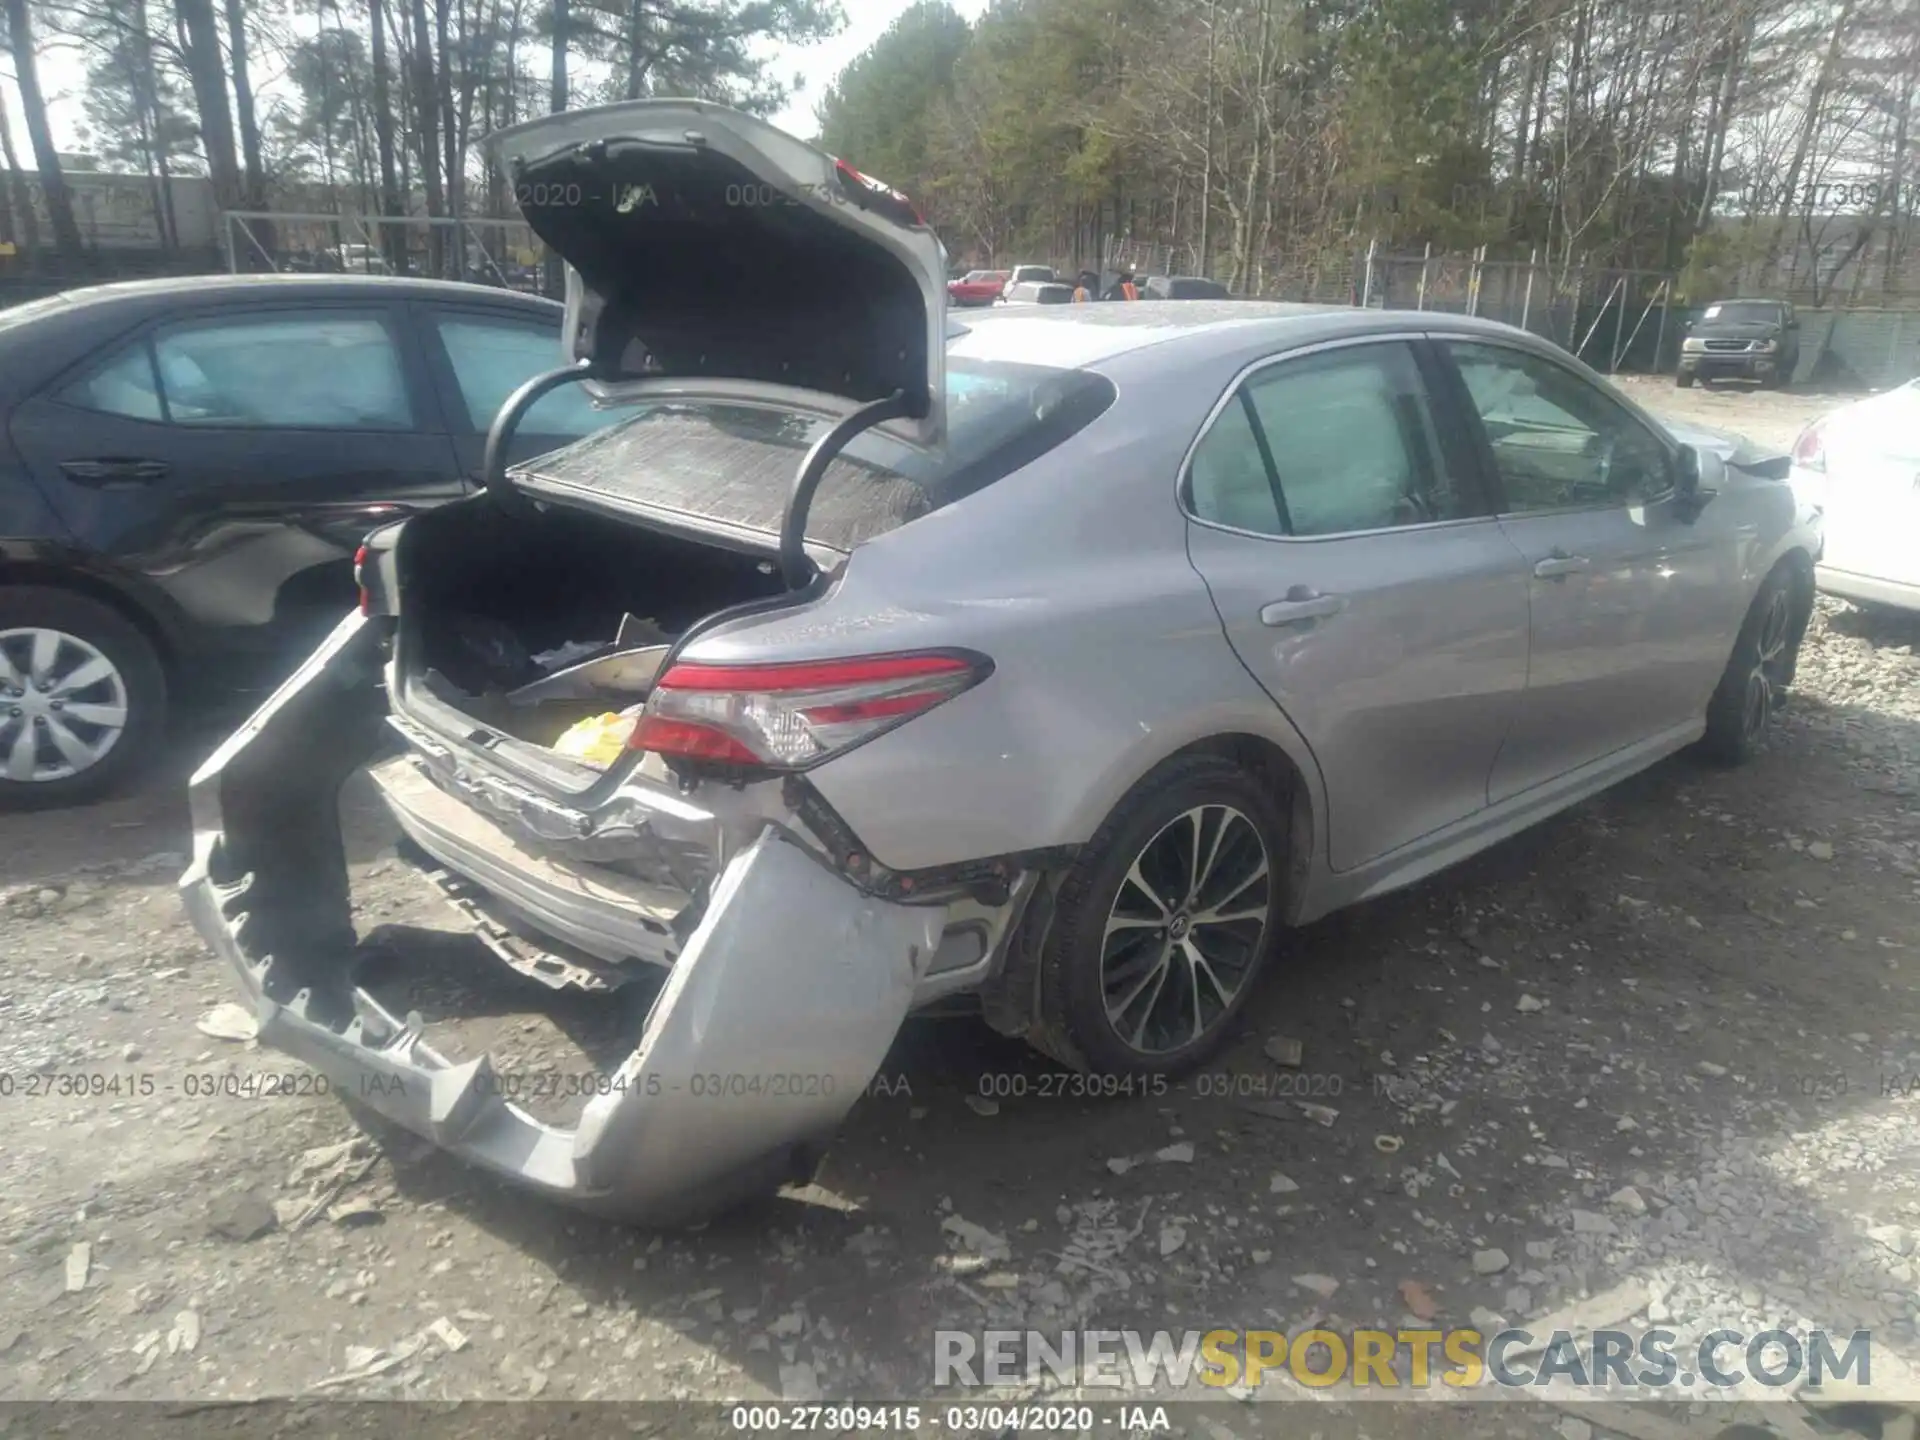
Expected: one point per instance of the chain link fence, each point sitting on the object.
(502, 253)
(1617, 320)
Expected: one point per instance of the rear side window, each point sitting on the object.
(306, 371)
(310, 371)
(735, 463)
(125, 385)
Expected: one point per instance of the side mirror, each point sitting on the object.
(1793, 324)
(1696, 481)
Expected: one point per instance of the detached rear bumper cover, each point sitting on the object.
(773, 1020)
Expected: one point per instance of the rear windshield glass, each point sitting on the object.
(735, 463)
(1744, 312)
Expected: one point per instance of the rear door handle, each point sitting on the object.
(1559, 565)
(1301, 604)
(114, 472)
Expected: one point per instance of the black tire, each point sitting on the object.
(1682, 380)
(1740, 713)
(1078, 966)
(138, 681)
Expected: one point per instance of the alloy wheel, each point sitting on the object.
(63, 705)
(1184, 933)
(1769, 650)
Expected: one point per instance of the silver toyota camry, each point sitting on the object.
(867, 659)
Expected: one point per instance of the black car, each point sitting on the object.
(1741, 340)
(188, 466)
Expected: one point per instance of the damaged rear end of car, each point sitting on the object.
(553, 689)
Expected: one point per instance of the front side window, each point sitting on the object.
(1557, 441)
(314, 371)
(1344, 441)
(492, 358)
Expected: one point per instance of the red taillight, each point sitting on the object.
(790, 716)
(878, 195)
(359, 563)
(1810, 450)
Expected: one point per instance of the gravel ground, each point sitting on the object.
(1653, 1056)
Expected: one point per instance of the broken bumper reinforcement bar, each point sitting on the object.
(774, 1017)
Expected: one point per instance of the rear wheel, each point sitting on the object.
(1741, 712)
(1164, 922)
(82, 697)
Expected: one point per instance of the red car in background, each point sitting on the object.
(977, 287)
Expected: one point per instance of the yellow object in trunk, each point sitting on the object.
(598, 739)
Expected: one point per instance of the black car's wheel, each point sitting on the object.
(1744, 703)
(1683, 380)
(1164, 922)
(82, 697)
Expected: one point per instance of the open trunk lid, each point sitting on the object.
(709, 253)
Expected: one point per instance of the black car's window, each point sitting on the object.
(735, 463)
(123, 385)
(314, 371)
(492, 357)
(1352, 443)
(1557, 441)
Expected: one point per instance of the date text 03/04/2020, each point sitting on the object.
(139, 1084)
(963, 1419)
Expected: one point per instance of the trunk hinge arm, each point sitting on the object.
(795, 566)
(493, 469)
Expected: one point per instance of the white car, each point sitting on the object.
(1027, 275)
(1860, 466)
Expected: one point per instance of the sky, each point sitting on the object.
(63, 75)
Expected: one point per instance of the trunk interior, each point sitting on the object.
(533, 623)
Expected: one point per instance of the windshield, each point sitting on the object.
(1743, 312)
(1033, 272)
(734, 463)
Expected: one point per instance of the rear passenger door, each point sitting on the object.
(1336, 516)
(479, 356)
(236, 455)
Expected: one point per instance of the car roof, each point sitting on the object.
(1077, 336)
(44, 336)
(175, 289)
